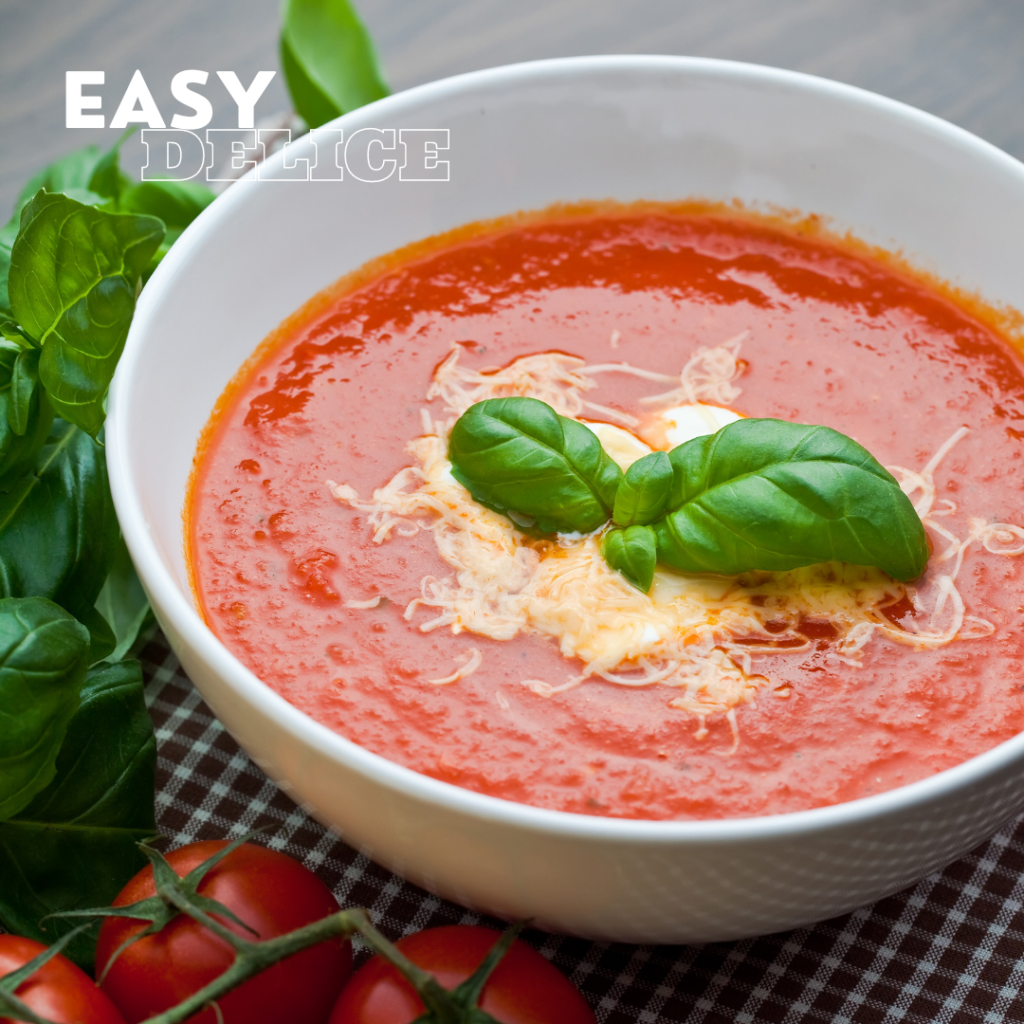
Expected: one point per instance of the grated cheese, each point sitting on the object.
(473, 662)
(697, 636)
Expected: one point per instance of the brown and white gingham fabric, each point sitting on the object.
(949, 950)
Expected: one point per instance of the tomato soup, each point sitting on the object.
(345, 608)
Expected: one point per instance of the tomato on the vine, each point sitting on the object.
(272, 894)
(524, 988)
(59, 990)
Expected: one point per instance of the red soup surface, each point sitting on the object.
(830, 335)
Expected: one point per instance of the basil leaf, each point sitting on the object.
(72, 282)
(122, 602)
(592, 463)
(176, 203)
(107, 179)
(633, 553)
(644, 492)
(24, 382)
(42, 664)
(8, 233)
(73, 171)
(83, 172)
(71, 174)
(74, 844)
(58, 529)
(329, 60)
(518, 456)
(101, 636)
(25, 412)
(310, 102)
(767, 494)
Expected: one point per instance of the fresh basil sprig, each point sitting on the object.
(758, 494)
(59, 542)
(767, 494)
(518, 456)
(329, 60)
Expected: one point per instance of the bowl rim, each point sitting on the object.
(406, 782)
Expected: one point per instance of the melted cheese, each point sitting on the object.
(685, 422)
(696, 635)
(622, 445)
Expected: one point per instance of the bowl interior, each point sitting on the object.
(525, 137)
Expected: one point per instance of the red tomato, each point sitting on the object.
(271, 893)
(523, 989)
(59, 990)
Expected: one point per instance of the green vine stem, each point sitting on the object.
(443, 1006)
(458, 1006)
(253, 957)
(178, 895)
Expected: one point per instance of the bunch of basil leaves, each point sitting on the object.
(77, 750)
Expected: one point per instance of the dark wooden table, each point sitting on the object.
(951, 948)
(960, 59)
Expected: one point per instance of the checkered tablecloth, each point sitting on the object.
(951, 949)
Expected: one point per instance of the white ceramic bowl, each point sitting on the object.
(523, 137)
